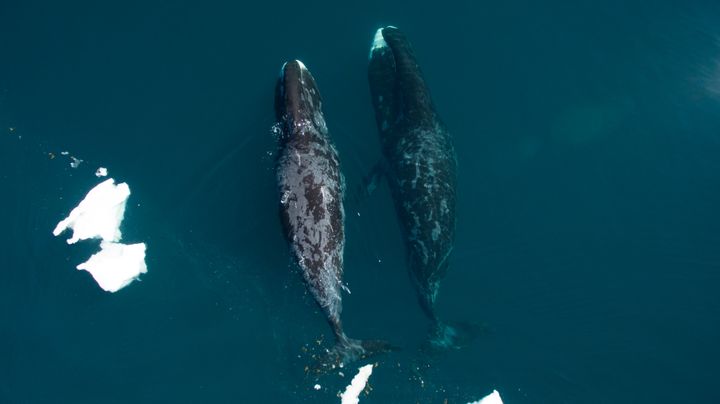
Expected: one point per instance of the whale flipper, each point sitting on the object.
(371, 181)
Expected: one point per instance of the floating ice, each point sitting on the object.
(101, 172)
(350, 396)
(116, 265)
(98, 215)
(492, 398)
(317, 387)
(75, 163)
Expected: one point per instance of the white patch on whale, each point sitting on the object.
(436, 231)
(378, 42)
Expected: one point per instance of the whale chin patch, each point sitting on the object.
(378, 43)
(301, 64)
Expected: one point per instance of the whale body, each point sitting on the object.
(419, 163)
(311, 188)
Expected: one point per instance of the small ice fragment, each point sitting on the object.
(492, 398)
(64, 153)
(75, 163)
(116, 265)
(352, 391)
(101, 172)
(317, 387)
(98, 215)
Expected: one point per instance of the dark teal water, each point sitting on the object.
(588, 138)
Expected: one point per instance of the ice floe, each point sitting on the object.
(492, 398)
(75, 162)
(357, 385)
(98, 215)
(116, 265)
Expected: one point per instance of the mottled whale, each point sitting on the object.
(420, 166)
(311, 188)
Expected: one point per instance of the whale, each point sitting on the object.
(419, 164)
(311, 191)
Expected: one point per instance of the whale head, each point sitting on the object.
(298, 105)
(398, 89)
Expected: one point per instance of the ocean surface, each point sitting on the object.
(588, 235)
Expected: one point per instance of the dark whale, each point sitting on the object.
(311, 201)
(420, 166)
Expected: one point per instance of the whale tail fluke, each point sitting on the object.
(374, 347)
(443, 336)
(348, 350)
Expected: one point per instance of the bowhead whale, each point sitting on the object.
(311, 189)
(419, 163)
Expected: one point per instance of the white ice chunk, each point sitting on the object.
(98, 215)
(116, 265)
(101, 172)
(317, 387)
(493, 398)
(357, 385)
(75, 163)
